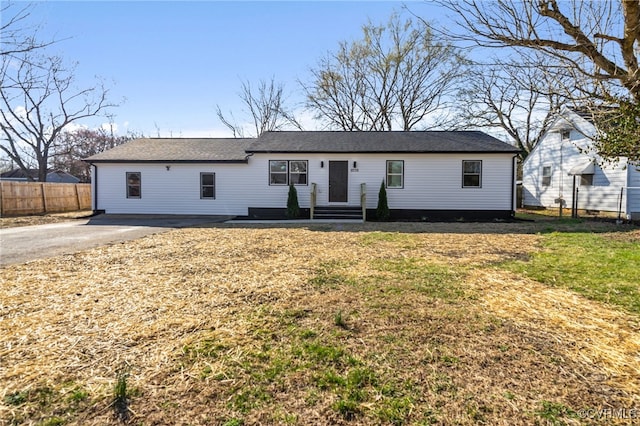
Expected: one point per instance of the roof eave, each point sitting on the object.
(244, 161)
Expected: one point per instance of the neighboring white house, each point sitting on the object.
(564, 168)
(428, 175)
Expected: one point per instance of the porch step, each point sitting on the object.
(354, 213)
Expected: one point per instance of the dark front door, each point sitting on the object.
(338, 177)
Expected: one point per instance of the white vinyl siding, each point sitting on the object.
(175, 191)
(430, 182)
(560, 155)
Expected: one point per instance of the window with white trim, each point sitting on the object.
(546, 175)
(298, 172)
(134, 185)
(208, 186)
(472, 173)
(285, 172)
(395, 174)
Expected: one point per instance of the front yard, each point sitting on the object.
(514, 323)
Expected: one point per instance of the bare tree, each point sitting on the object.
(266, 110)
(597, 38)
(397, 76)
(595, 42)
(38, 101)
(73, 147)
(18, 38)
(512, 96)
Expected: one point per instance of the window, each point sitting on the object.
(298, 172)
(133, 185)
(565, 135)
(586, 180)
(395, 174)
(471, 174)
(283, 172)
(208, 186)
(546, 176)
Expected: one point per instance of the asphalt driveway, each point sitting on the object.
(22, 244)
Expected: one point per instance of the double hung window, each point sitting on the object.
(285, 172)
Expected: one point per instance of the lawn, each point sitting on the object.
(327, 324)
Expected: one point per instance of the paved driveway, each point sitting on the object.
(18, 245)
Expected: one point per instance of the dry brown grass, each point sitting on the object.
(12, 222)
(239, 322)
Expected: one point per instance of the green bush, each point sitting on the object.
(382, 211)
(293, 208)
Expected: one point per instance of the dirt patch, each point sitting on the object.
(397, 323)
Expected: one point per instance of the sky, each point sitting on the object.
(169, 63)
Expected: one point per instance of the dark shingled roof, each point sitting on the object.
(176, 150)
(380, 142)
(185, 150)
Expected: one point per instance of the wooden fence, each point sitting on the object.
(25, 198)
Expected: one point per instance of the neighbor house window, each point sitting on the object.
(546, 176)
(586, 180)
(133, 185)
(208, 186)
(395, 174)
(283, 172)
(471, 174)
(565, 135)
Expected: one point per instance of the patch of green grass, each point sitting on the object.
(233, 422)
(16, 398)
(436, 281)
(209, 348)
(593, 265)
(330, 275)
(554, 413)
(339, 320)
(250, 398)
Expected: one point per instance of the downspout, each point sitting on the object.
(514, 165)
(95, 188)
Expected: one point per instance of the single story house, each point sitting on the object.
(428, 175)
(563, 168)
(54, 176)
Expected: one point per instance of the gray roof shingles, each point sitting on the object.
(237, 150)
(204, 150)
(379, 142)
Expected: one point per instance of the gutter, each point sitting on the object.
(514, 196)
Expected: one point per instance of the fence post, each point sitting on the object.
(75, 186)
(44, 197)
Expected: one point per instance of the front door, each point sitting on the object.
(338, 181)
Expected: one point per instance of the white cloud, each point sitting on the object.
(21, 112)
(110, 127)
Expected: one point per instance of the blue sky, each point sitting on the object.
(170, 63)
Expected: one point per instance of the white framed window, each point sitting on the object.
(546, 175)
(395, 174)
(134, 185)
(298, 172)
(284, 172)
(471, 173)
(208, 186)
(278, 171)
(565, 135)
